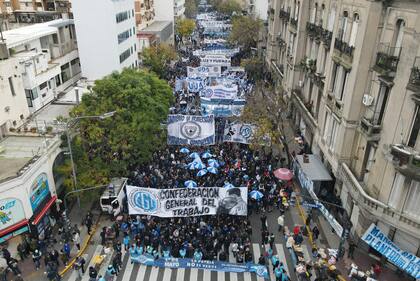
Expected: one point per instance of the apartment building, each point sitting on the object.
(37, 63)
(349, 72)
(106, 37)
(179, 9)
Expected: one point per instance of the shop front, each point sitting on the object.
(41, 202)
(12, 219)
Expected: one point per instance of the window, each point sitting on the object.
(28, 98)
(345, 76)
(43, 85)
(343, 26)
(354, 28)
(380, 104)
(124, 36)
(334, 74)
(125, 55)
(326, 125)
(398, 37)
(331, 19)
(120, 17)
(55, 38)
(413, 200)
(334, 131)
(57, 80)
(12, 88)
(65, 73)
(396, 195)
(415, 128)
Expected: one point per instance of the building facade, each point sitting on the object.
(38, 62)
(101, 52)
(348, 71)
(179, 9)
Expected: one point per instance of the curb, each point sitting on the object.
(83, 249)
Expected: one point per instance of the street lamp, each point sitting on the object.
(71, 122)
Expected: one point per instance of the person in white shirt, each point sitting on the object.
(280, 222)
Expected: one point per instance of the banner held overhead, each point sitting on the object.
(191, 130)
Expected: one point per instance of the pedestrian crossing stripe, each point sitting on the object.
(132, 272)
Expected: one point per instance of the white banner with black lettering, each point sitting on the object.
(220, 92)
(187, 202)
(222, 51)
(239, 132)
(204, 71)
(191, 130)
(215, 60)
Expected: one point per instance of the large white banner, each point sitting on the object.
(222, 108)
(191, 130)
(223, 51)
(187, 202)
(220, 92)
(239, 132)
(215, 60)
(204, 71)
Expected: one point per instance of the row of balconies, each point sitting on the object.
(375, 209)
(406, 160)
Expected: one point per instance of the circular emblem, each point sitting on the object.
(208, 93)
(191, 130)
(246, 131)
(144, 201)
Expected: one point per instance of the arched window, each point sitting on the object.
(354, 28)
(322, 18)
(343, 26)
(398, 37)
(331, 19)
(313, 14)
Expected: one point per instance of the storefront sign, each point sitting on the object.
(406, 261)
(11, 212)
(187, 202)
(191, 130)
(149, 260)
(39, 190)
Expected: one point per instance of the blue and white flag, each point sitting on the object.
(191, 130)
(215, 60)
(204, 71)
(220, 92)
(222, 107)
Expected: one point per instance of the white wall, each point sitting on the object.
(164, 10)
(97, 36)
(17, 104)
(261, 8)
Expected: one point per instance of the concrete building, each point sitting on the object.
(38, 62)
(349, 72)
(179, 9)
(102, 52)
(256, 8)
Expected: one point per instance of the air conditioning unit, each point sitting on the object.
(367, 100)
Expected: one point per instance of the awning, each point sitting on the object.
(44, 210)
(13, 227)
(314, 169)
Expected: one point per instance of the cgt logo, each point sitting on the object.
(143, 200)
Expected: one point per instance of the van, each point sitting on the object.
(113, 198)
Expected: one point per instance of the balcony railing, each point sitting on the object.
(414, 81)
(294, 22)
(387, 58)
(304, 108)
(326, 37)
(371, 130)
(314, 31)
(284, 15)
(373, 208)
(406, 160)
(343, 47)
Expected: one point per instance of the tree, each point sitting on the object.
(254, 68)
(227, 7)
(245, 32)
(190, 8)
(157, 58)
(115, 146)
(185, 27)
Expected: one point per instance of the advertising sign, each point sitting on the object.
(11, 212)
(147, 259)
(239, 132)
(187, 202)
(191, 130)
(215, 60)
(39, 190)
(406, 261)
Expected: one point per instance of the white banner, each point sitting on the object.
(195, 85)
(187, 202)
(239, 132)
(379, 241)
(222, 52)
(214, 60)
(222, 108)
(204, 71)
(220, 92)
(191, 130)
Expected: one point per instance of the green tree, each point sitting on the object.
(190, 8)
(110, 147)
(157, 58)
(254, 68)
(185, 27)
(245, 32)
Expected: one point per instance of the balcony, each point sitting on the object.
(318, 80)
(281, 42)
(293, 22)
(406, 160)
(370, 130)
(326, 38)
(414, 80)
(374, 209)
(278, 68)
(314, 31)
(343, 48)
(335, 105)
(304, 108)
(387, 60)
(284, 15)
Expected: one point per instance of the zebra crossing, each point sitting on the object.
(132, 272)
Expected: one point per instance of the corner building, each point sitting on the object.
(349, 73)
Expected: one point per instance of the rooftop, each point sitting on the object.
(18, 152)
(156, 26)
(20, 36)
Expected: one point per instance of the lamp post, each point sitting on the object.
(71, 122)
